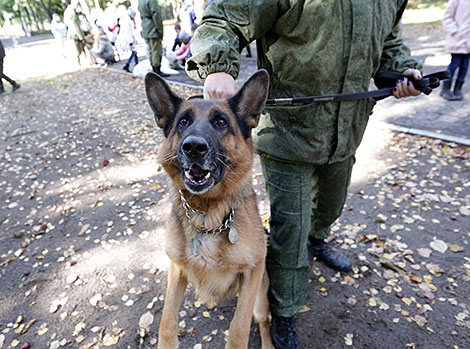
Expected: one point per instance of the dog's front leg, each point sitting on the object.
(239, 331)
(177, 282)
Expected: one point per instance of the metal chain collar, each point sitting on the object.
(226, 225)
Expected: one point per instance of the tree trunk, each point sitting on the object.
(47, 10)
(23, 19)
(27, 16)
(38, 14)
(31, 14)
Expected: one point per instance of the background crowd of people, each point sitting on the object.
(111, 35)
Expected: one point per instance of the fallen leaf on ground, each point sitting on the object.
(416, 279)
(146, 320)
(43, 331)
(420, 320)
(434, 269)
(465, 211)
(348, 339)
(424, 252)
(95, 299)
(438, 245)
(110, 340)
(456, 248)
(78, 328)
(352, 300)
(407, 301)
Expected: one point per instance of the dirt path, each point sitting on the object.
(82, 211)
(83, 206)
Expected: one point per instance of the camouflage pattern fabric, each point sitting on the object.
(155, 52)
(308, 48)
(305, 200)
(151, 14)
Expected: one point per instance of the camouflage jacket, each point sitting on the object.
(151, 14)
(72, 21)
(309, 48)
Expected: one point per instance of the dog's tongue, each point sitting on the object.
(197, 171)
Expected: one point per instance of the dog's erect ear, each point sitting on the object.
(162, 100)
(249, 102)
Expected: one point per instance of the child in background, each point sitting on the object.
(178, 58)
(177, 43)
(59, 30)
(456, 22)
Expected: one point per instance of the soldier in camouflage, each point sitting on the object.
(309, 48)
(152, 32)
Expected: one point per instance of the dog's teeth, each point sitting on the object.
(187, 175)
(208, 174)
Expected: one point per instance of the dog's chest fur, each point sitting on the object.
(216, 271)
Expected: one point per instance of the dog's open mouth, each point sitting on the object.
(196, 175)
(199, 180)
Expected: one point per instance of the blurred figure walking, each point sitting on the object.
(126, 40)
(456, 22)
(78, 27)
(3, 76)
(187, 16)
(59, 30)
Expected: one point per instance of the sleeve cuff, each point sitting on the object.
(201, 72)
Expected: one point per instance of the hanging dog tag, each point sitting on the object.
(197, 244)
(233, 235)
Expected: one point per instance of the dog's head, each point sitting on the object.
(207, 142)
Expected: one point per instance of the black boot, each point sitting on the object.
(159, 72)
(284, 333)
(329, 256)
(445, 92)
(15, 86)
(126, 68)
(458, 96)
(2, 90)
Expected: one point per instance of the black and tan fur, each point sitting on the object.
(208, 153)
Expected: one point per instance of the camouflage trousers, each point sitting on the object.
(305, 200)
(155, 51)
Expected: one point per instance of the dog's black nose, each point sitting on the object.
(195, 147)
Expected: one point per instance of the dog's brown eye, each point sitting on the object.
(221, 122)
(184, 122)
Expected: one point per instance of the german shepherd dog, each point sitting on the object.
(215, 238)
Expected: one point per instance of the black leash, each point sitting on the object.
(385, 81)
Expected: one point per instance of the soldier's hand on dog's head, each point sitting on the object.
(219, 86)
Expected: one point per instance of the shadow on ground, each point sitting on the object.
(83, 208)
